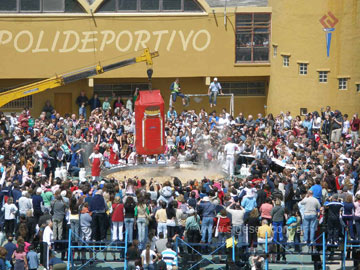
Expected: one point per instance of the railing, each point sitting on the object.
(94, 248)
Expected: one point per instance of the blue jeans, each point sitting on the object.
(75, 229)
(149, 267)
(141, 224)
(309, 224)
(129, 227)
(212, 97)
(238, 231)
(349, 220)
(206, 226)
(82, 111)
(174, 95)
(161, 227)
(278, 234)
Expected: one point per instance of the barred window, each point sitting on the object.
(286, 60)
(303, 68)
(323, 76)
(19, 103)
(244, 88)
(252, 37)
(38, 6)
(122, 89)
(343, 83)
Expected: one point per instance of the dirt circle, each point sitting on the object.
(163, 174)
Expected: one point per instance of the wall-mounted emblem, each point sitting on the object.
(328, 21)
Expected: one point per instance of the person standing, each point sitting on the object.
(19, 256)
(47, 240)
(230, 150)
(336, 126)
(82, 102)
(10, 212)
(207, 211)
(175, 92)
(311, 209)
(355, 125)
(148, 258)
(58, 210)
(94, 102)
(214, 90)
(169, 256)
(98, 209)
(96, 160)
(237, 221)
(117, 219)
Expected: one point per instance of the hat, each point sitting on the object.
(215, 79)
(229, 139)
(191, 211)
(39, 190)
(348, 136)
(206, 199)
(63, 193)
(61, 118)
(96, 147)
(111, 140)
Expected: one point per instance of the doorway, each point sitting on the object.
(63, 103)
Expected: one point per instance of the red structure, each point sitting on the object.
(149, 123)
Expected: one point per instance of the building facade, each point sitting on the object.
(271, 55)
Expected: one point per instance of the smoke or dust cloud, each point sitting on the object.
(163, 174)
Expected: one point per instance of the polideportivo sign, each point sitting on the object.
(67, 41)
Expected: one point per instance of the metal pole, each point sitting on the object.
(69, 251)
(344, 258)
(266, 252)
(232, 105)
(233, 249)
(125, 252)
(177, 253)
(324, 251)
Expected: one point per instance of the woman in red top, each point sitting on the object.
(223, 226)
(117, 219)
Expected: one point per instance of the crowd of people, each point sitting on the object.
(311, 188)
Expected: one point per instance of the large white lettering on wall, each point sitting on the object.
(68, 41)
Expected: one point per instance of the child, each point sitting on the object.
(33, 260)
(82, 110)
(106, 105)
(292, 224)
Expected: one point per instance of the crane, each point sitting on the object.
(60, 80)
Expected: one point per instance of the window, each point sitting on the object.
(275, 50)
(286, 60)
(323, 76)
(343, 83)
(303, 68)
(358, 87)
(252, 37)
(20, 103)
(244, 88)
(303, 111)
(122, 89)
(150, 6)
(40, 6)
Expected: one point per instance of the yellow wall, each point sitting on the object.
(247, 105)
(296, 30)
(192, 46)
(189, 46)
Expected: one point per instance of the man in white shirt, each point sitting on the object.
(47, 242)
(213, 91)
(230, 150)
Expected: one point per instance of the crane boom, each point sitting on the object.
(60, 80)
